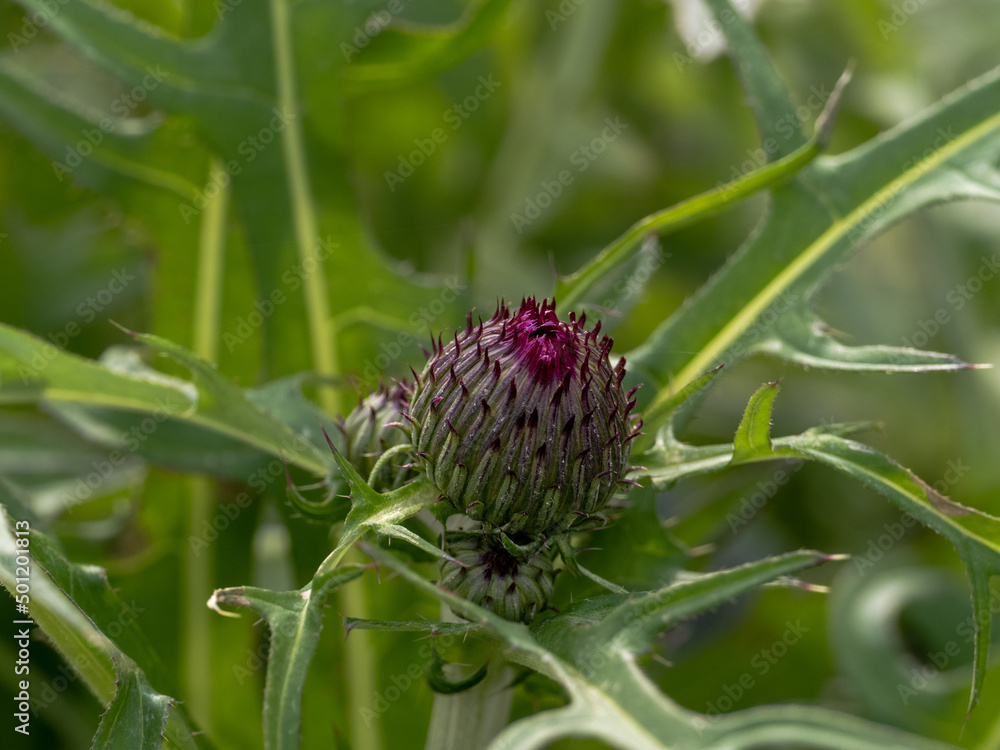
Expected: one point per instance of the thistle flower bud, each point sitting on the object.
(521, 422)
(372, 428)
(495, 579)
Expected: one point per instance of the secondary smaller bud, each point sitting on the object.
(495, 579)
(372, 428)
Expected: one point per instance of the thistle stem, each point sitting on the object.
(471, 719)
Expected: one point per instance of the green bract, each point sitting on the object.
(521, 422)
(372, 428)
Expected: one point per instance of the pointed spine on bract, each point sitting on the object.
(522, 422)
(374, 426)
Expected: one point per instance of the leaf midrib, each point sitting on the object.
(284, 703)
(837, 230)
(832, 459)
(197, 418)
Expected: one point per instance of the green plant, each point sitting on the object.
(240, 171)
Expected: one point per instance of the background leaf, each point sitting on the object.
(136, 712)
(814, 222)
(214, 403)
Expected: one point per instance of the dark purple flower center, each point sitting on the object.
(498, 563)
(538, 340)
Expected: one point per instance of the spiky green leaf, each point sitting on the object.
(761, 300)
(590, 651)
(67, 602)
(295, 619)
(35, 371)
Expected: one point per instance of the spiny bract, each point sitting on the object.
(521, 422)
(373, 427)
